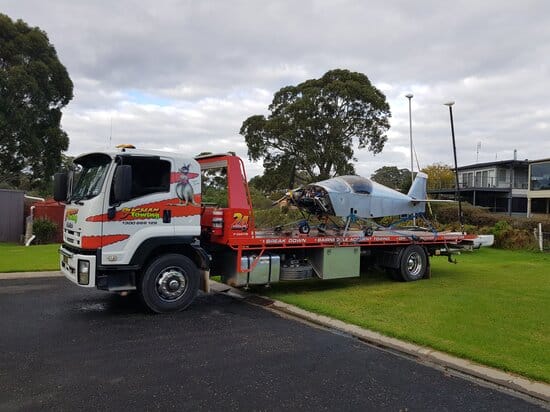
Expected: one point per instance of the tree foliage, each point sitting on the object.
(34, 87)
(279, 176)
(214, 184)
(440, 176)
(391, 176)
(313, 127)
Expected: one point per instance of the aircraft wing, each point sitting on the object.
(432, 201)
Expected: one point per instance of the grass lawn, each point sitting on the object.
(17, 258)
(492, 307)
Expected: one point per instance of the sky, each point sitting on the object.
(183, 75)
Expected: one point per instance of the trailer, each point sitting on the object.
(137, 221)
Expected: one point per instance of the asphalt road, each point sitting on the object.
(65, 348)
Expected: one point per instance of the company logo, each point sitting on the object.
(141, 212)
(71, 215)
(240, 222)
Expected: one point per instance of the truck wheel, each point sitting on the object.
(169, 283)
(414, 263)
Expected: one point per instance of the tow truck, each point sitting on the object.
(135, 221)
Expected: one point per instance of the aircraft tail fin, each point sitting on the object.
(418, 187)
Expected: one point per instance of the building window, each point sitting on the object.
(467, 179)
(540, 176)
(492, 178)
(485, 178)
(501, 175)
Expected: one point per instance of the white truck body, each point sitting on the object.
(135, 221)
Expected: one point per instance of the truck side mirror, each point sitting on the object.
(60, 187)
(123, 183)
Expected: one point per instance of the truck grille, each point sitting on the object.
(72, 237)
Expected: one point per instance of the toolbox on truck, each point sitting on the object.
(336, 262)
(254, 270)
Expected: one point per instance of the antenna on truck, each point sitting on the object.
(111, 134)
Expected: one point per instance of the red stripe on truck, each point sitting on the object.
(153, 210)
(95, 242)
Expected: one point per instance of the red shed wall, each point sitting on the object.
(54, 211)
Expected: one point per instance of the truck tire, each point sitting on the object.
(413, 264)
(169, 284)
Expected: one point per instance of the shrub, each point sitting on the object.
(259, 200)
(511, 232)
(473, 229)
(515, 239)
(508, 237)
(472, 215)
(270, 218)
(44, 230)
(500, 227)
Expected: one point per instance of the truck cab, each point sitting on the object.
(132, 222)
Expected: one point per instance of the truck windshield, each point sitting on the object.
(89, 176)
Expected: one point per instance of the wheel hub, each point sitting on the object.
(414, 264)
(171, 283)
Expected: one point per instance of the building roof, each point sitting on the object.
(496, 163)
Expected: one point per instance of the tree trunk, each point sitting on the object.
(292, 177)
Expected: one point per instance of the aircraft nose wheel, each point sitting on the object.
(369, 231)
(304, 228)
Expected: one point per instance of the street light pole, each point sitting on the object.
(457, 190)
(410, 96)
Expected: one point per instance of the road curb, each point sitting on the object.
(538, 390)
(515, 383)
(30, 275)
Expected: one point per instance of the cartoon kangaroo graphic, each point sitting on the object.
(184, 190)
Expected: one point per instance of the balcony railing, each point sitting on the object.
(489, 184)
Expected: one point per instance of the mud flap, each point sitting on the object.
(428, 273)
(205, 281)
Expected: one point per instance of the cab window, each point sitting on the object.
(149, 175)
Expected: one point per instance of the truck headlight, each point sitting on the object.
(83, 272)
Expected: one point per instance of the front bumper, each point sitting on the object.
(69, 264)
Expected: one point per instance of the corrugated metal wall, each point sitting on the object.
(12, 209)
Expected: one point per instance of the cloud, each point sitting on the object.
(183, 75)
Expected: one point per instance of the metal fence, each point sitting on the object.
(545, 241)
(11, 216)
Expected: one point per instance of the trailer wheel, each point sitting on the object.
(414, 263)
(169, 284)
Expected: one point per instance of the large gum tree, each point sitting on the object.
(34, 87)
(313, 128)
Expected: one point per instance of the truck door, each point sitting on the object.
(147, 214)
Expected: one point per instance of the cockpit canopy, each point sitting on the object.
(343, 184)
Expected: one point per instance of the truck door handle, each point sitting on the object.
(166, 216)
